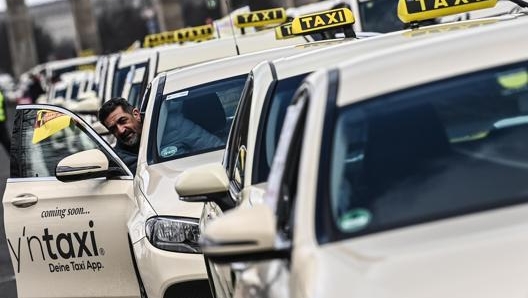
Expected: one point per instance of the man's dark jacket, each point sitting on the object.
(128, 154)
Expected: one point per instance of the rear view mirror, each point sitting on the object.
(82, 165)
(207, 183)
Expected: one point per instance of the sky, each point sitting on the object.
(28, 3)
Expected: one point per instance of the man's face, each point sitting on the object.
(126, 127)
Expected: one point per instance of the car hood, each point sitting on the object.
(480, 255)
(156, 181)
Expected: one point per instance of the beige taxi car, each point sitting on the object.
(412, 187)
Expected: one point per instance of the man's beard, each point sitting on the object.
(131, 140)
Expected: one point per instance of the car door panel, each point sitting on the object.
(66, 239)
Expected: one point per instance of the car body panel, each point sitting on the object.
(155, 181)
(71, 231)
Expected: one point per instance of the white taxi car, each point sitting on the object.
(411, 187)
(257, 125)
(76, 239)
(168, 232)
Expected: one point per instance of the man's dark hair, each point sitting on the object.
(112, 104)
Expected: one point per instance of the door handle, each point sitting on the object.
(24, 200)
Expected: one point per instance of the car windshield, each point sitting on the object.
(379, 16)
(118, 81)
(273, 117)
(444, 149)
(197, 120)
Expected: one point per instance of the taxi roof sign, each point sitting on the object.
(157, 39)
(194, 33)
(198, 33)
(284, 31)
(261, 18)
(325, 20)
(418, 10)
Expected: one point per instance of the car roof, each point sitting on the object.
(52, 65)
(220, 48)
(134, 57)
(311, 61)
(228, 67)
(408, 65)
(175, 55)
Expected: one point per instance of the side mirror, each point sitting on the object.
(241, 235)
(206, 183)
(82, 165)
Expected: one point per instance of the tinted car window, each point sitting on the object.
(443, 149)
(42, 138)
(272, 118)
(197, 119)
(379, 16)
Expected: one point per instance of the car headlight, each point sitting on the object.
(174, 234)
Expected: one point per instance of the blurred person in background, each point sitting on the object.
(4, 132)
(35, 88)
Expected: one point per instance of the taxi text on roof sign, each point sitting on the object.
(284, 31)
(323, 20)
(157, 39)
(194, 33)
(419, 10)
(197, 33)
(260, 18)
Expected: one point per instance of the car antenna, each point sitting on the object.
(232, 26)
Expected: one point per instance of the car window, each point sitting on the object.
(235, 155)
(135, 80)
(197, 119)
(444, 149)
(75, 90)
(379, 16)
(282, 183)
(272, 118)
(118, 82)
(42, 138)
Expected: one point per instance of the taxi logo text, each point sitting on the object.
(416, 6)
(322, 20)
(62, 246)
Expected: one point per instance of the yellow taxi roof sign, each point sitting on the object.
(322, 20)
(261, 18)
(194, 33)
(49, 123)
(157, 39)
(419, 10)
(284, 31)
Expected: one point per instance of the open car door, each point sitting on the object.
(67, 239)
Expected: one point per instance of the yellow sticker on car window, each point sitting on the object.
(49, 123)
(513, 80)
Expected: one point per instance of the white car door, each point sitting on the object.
(66, 239)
